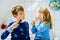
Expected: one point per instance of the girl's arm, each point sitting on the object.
(34, 30)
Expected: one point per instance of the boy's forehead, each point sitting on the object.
(20, 11)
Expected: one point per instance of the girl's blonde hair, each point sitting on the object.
(47, 16)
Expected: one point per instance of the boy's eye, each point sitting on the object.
(21, 14)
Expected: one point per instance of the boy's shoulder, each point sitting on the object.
(25, 21)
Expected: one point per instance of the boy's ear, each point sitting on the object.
(14, 15)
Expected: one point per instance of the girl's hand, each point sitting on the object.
(33, 21)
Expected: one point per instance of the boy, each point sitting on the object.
(19, 29)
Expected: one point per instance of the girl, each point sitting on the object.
(42, 24)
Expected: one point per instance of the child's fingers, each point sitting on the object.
(33, 23)
(14, 25)
(35, 19)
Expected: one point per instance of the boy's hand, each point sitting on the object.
(13, 26)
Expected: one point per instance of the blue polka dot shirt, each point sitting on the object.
(19, 33)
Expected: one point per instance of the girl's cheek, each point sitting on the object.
(36, 16)
(39, 16)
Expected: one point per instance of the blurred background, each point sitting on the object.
(30, 7)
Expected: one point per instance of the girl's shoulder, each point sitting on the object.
(45, 24)
(37, 23)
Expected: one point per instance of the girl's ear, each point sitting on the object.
(44, 17)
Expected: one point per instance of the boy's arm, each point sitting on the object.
(27, 30)
(34, 30)
(11, 26)
(6, 33)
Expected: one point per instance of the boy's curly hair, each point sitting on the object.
(17, 8)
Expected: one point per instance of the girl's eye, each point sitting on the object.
(37, 12)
